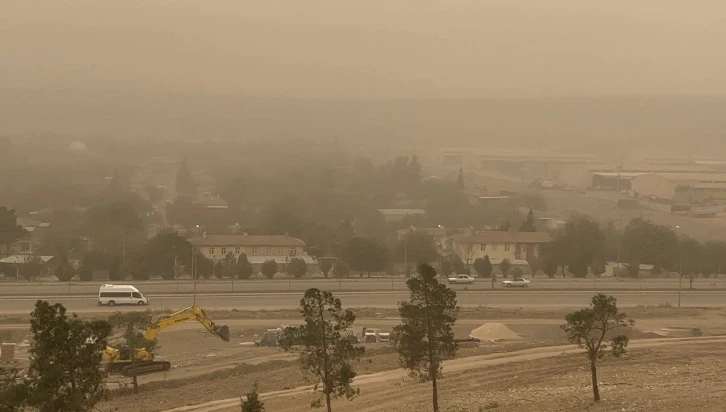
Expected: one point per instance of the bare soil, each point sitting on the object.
(205, 369)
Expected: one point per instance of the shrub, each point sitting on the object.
(269, 268)
(297, 268)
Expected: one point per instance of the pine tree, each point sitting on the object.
(425, 337)
(528, 225)
(252, 402)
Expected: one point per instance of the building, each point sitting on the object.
(440, 235)
(518, 247)
(280, 248)
(682, 188)
(398, 215)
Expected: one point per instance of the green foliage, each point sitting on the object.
(425, 337)
(517, 272)
(133, 325)
(10, 231)
(113, 228)
(114, 272)
(65, 360)
(85, 271)
(483, 267)
(325, 266)
(218, 269)
(326, 351)
(251, 402)
(14, 391)
(269, 268)
(528, 225)
(365, 255)
(341, 269)
(647, 242)
(416, 247)
(244, 266)
(229, 266)
(505, 226)
(452, 264)
(31, 267)
(505, 266)
(535, 265)
(163, 251)
(590, 329)
(579, 245)
(549, 267)
(203, 267)
(65, 271)
(297, 268)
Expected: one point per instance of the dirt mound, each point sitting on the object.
(493, 332)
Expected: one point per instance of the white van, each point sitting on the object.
(121, 295)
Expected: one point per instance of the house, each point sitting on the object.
(518, 247)
(10, 266)
(440, 235)
(29, 243)
(397, 215)
(258, 248)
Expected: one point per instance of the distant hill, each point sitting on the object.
(673, 125)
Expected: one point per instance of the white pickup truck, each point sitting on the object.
(516, 282)
(461, 279)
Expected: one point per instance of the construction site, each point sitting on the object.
(508, 360)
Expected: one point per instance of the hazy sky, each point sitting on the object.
(367, 48)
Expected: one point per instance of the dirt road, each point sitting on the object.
(451, 367)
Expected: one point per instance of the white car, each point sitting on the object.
(516, 283)
(461, 280)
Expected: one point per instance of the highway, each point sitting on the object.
(55, 288)
(271, 301)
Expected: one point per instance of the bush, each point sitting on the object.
(483, 267)
(297, 268)
(218, 269)
(65, 272)
(85, 272)
(341, 269)
(251, 402)
(505, 266)
(549, 267)
(269, 268)
(325, 266)
(244, 267)
(517, 272)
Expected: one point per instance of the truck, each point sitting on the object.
(461, 280)
(516, 283)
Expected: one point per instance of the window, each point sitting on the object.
(136, 295)
(211, 250)
(254, 251)
(279, 252)
(507, 246)
(224, 251)
(115, 294)
(293, 252)
(483, 247)
(236, 251)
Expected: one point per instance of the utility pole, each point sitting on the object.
(680, 278)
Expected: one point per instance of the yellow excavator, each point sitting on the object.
(118, 360)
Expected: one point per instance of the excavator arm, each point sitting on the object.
(191, 313)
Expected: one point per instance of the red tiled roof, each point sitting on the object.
(250, 240)
(503, 237)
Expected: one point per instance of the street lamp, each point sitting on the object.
(680, 269)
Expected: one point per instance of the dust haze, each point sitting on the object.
(473, 73)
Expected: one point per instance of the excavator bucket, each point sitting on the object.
(222, 332)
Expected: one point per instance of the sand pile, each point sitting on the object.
(493, 332)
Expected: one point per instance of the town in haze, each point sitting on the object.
(362, 206)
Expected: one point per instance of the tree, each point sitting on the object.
(132, 325)
(10, 231)
(229, 266)
(14, 392)
(325, 265)
(416, 247)
(528, 225)
(590, 329)
(549, 267)
(483, 267)
(218, 269)
(460, 179)
(413, 172)
(184, 183)
(650, 243)
(365, 255)
(505, 266)
(535, 265)
(85, 271)
(517, 272)
(65, 360)
(425, 337)
(297, 268)
(579, 245)
(327, 352)
(31, 268)
(117, 272)
(269, 268)
(203, 266)
(65, 271)
(505, 226)
(251, 402)
(244, 267)
(341, 269)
